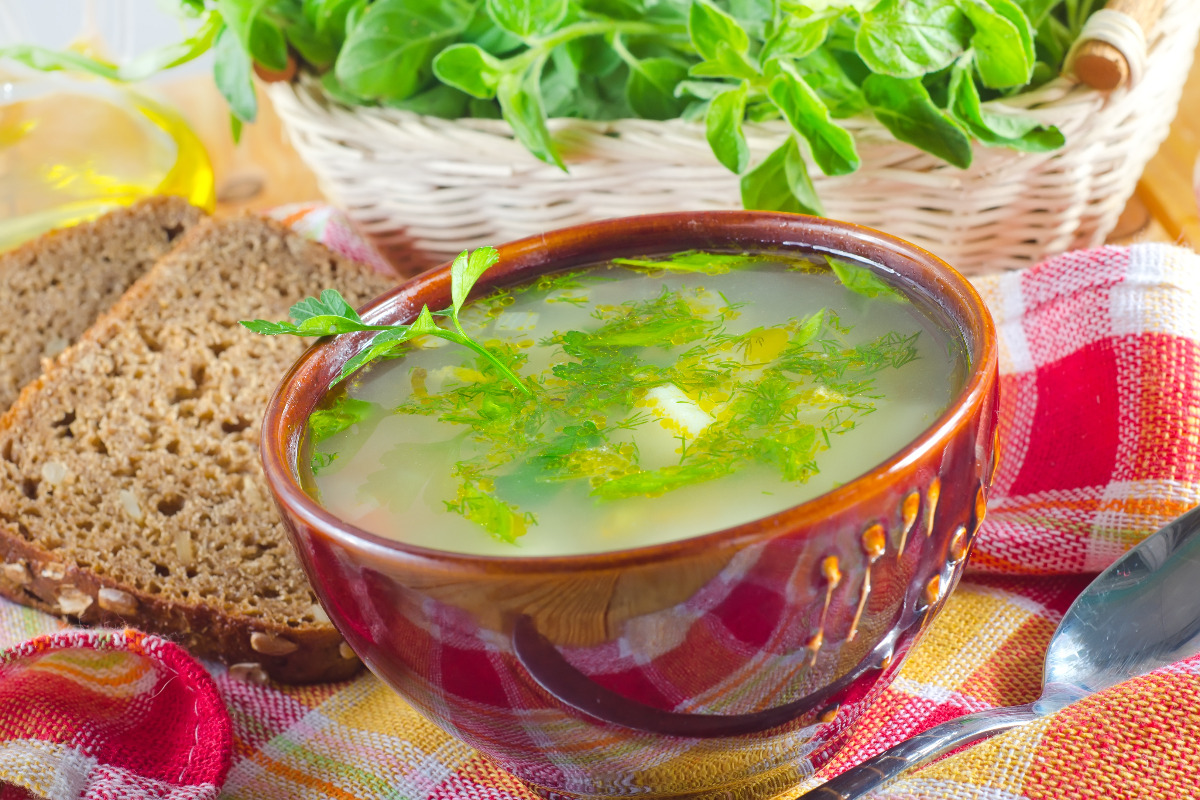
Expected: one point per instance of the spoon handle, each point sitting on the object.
(920, 749)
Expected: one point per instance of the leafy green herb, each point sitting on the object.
(904, 107)
(777, 397)
(331, 314)
(332, 418)
(692, 261)
(337, 417)
(862, 280)
(723, 62)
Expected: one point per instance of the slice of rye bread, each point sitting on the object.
(53, 287)
(131, 491)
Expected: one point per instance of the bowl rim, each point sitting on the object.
(977, 330)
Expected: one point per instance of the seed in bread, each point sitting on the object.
(54, 287)
(130, 485)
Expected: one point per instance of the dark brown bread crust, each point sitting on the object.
(130, 486)
(54, 287)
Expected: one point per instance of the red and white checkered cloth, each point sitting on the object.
(1100, 435)
(1100, 407)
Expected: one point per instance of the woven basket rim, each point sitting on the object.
(1058, 91)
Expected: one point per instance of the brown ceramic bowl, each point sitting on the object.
(728, 664)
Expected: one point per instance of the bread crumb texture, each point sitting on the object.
(135, 457)
(54, 287)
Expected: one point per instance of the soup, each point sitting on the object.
(663, 399)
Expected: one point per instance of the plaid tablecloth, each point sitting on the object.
(1100, 437)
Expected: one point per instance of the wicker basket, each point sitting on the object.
(424, 188)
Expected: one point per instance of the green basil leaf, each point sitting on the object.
(465, 271)
(262, 39)
(616, 9)
(651, 88)
(795, 172)
(313, 48)
(268, 45)
(711, 29)
(703, 90)
(483, 109)
(1043, 73)
(1003, 51)
(996, 129)
(526, 18)
(910, 38)
(1012, 12)
(560, 93)
(862, 280)
(1036, 11)
(334, 88)
(832, 145)
(725, 63)
(232, 72)
(481, 30)
(317, 29)
(753, 15)
(761, 111)
(723, 129)
(443, 102)
(566, 60)
(239, 16)
(904, 108)
(826, 76)
(593, 55)
(795, 35)
(469, 69)
(329, 16)
(389, 52)
(520, 99)
(781, 183)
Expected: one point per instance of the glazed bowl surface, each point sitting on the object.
(728, 664)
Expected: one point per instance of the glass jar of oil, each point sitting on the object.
(73, 148)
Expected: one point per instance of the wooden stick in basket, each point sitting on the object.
(1101, 65)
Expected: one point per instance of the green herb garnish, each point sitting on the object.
(691, 261)
(337, 417)
(862, 280)
(771, 396)
(331, 314)
(775, 397)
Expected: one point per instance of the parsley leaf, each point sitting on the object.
(331, 314)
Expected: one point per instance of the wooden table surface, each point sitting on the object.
(264, 171)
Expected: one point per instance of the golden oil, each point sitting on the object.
(71, 150)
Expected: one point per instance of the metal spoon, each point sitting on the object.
(1141, 613)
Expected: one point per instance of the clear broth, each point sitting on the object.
(518, 483)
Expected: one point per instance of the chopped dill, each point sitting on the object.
(774, 396)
